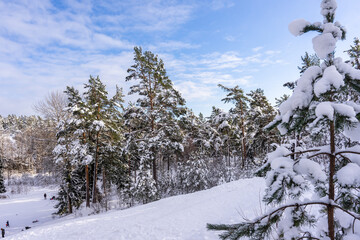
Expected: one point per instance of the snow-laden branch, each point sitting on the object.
(321, 153)
(296, 205)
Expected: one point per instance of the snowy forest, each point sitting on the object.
(105, 153)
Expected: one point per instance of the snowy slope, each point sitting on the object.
(174, 218)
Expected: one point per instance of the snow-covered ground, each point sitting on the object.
(174, 218)
(22, 209)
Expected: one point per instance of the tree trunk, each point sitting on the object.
(69, 187)
(330, 209)
(69, 204)
(154, 170)
(168, 164)
(243, 136)
(87, 186)
(104, 187)
(87, 178)
(94, 196)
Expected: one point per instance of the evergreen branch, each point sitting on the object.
(236, 231)
(308, 237)
(342, 152)
(320, 153)
(302, 152)
(311, 27)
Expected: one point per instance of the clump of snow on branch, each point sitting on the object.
(307, 166)
(349, 175)
(331, 77)
(296, 27)
(324, 109)
(345, 68)
(324, 44)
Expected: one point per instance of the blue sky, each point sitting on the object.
(47, 45)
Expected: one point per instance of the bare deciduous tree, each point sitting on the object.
(52, 107)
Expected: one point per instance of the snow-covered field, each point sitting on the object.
(22, 209)
(174, 218)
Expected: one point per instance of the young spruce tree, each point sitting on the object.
(320, 101)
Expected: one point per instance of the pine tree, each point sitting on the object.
(237, 96)
(307, 61)
(69, 193)
(161, 106)
(320, 102)
(260, 114)
(91, 139)
(354, 54)
(193, 174)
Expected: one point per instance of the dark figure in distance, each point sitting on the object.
(2, 232)
(7, 223)
(45, 196)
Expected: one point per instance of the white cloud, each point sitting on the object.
(219, 4)
(256, 49)
(191, 90)
(172, 45)
(272, 52)
(230, 38)
(142, 15)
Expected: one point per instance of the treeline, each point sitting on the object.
(26, 144)
(156, 146)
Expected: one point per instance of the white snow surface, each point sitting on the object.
(22, 209)
(173, 218)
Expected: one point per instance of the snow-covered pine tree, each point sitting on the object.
(259, 115)
(307, 61)
(319, 102)
(91, 139)
(100, 129)
(97, 102)
(237, 96)
(161, 107)
(70, 193)
(144, 188)
(193, 174)
(354, 53)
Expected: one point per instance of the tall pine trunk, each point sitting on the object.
(94, 196)
(330, 209)
(104, 188)
(87, 179)
(87, 185)
(68, 179)
(243, 136)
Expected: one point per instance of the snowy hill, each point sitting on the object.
(174, 218)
